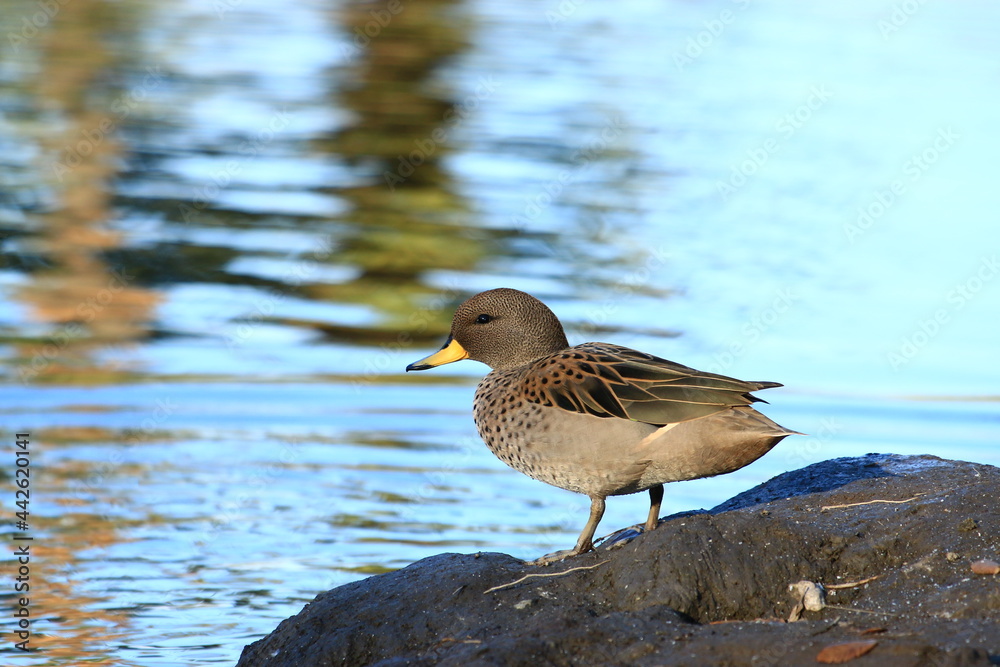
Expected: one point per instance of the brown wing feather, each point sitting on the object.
(607, 380)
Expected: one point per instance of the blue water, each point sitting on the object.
(770, 190)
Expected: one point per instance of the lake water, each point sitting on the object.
(226, 229)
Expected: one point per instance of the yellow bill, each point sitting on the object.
(451, 351)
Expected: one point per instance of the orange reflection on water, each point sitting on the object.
(87, 303)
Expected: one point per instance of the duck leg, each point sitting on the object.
(655, 500)
(585, 542)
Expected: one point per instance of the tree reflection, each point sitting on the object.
(406, 217)
(84, 302)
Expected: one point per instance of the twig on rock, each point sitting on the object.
(863, 611)
(549, 574)
(853, 583)
(870, 502)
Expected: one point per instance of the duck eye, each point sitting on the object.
(483, 319)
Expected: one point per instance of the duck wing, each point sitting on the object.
(608, 380)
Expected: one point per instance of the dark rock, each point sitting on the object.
(707, 588)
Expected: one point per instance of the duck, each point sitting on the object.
(597, 418)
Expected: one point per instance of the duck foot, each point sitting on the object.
(585, 542)
(620, 538)
(556, 556)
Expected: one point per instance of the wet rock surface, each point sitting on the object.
(708, 588)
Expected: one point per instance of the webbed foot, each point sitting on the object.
(557, 556)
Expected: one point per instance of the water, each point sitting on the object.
(227, 230)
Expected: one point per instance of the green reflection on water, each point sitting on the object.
(99, 113)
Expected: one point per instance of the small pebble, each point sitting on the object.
(809, 596)
(968, 524)
(986, 567)
(952, 556)
(523, 604)
(813, 595)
